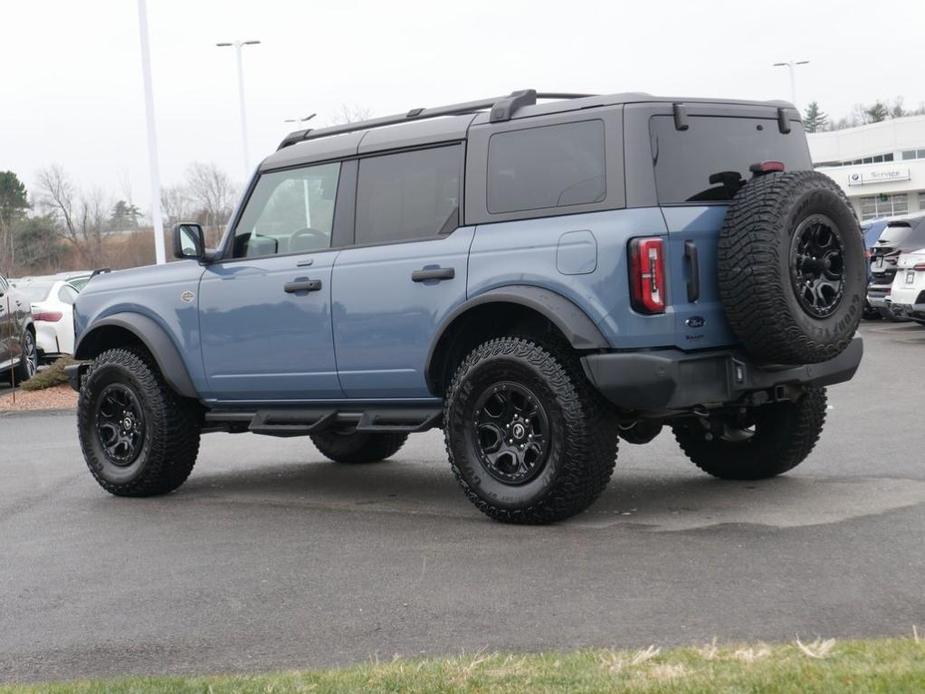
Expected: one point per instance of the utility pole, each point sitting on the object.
(791, 68)
(156, 220)
(237, 45)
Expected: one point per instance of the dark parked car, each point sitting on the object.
(18, 354)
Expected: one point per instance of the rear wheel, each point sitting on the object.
(763, 442)
(358, 446)
(139, 438)
(528, 439)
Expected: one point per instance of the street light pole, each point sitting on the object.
(790, 65)
(237, 45)
(156, 220)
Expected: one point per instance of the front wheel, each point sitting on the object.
(529, 440)
(763, 442)
(139, 438)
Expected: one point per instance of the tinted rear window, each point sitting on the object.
(549, 166)
(709, 161)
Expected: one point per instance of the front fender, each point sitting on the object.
(152, 336)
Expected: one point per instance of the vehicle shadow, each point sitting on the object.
(667, 501)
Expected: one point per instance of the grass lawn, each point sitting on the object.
(885, 665)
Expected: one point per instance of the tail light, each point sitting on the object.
(647, 275)
(919, 267)
(48, 316)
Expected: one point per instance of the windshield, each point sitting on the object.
(710, 160)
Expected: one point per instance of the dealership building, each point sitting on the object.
(880, 166)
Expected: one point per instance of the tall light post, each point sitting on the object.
(156, 220)
(791, 68)
(237, 45)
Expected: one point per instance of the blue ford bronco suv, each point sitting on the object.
(539, 275)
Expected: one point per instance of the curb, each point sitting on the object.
(12, 414)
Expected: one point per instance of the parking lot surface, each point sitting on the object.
(269, 557)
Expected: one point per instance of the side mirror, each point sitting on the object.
(189, 242)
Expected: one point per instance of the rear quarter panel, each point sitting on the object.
(526, 252)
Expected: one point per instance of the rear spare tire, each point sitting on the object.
(791, 266)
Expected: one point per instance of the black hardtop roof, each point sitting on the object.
(422, 125)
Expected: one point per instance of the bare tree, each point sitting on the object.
(212, 193)
(350, 114)
(176, 204)
(81, 216)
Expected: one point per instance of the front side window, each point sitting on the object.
(409, 195)
(289, 211)
(548, 166)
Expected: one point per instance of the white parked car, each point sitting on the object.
(907, 294)
(53, 312)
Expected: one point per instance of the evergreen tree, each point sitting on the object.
(124, 216)
(13, 206)
(814, 119)
(877, 112)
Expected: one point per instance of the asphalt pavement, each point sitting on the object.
(271, 558)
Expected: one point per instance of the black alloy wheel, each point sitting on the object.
(120, 424)
(511, 430)
(817, 265)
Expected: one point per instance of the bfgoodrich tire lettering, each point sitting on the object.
(168, 435)
(782, 435)
(581, 433)
(764, 269)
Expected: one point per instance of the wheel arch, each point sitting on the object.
(524, 309)
(125, 329)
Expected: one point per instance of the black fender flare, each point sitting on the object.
(580, 331)
(157, 341)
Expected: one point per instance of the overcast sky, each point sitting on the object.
(71, 90)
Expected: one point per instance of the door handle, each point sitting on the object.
(693, 263)
(436, 273)
(302, 285)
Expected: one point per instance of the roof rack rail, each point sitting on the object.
(501, 108)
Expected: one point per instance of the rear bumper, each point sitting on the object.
(671, 379)
(878, 296)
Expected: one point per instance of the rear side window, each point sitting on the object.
(550, 166)
(409, 195)
(709, 161)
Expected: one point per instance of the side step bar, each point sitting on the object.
(304, 421)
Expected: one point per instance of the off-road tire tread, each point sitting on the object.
(785, 435)
(176, 426)
(359, 447)
(591, 436)
(752, 290)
